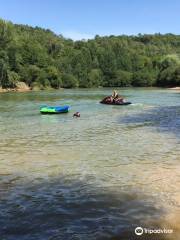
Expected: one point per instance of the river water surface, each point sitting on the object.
(96, 177)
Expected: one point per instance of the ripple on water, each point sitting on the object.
(90, 178)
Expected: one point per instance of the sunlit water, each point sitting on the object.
(95, 177)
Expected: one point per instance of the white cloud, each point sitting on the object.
(77, 35)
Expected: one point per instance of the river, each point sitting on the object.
(95, 177)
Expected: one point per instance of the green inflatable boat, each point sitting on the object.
(54, 110)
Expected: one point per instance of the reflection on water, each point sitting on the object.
(96, 177)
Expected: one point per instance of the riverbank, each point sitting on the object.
(5, 90)
(23, 87)
(20, 87)
(175, 88)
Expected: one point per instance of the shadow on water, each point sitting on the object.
(63, 209)
(163, 119)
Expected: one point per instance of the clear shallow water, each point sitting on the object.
(96, 177)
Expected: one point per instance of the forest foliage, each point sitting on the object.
(42, 59)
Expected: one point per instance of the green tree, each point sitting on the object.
(6, 33)
(144, 78)
(121, 79)
(53, 77)
(42, 82)
(13, 78)
(169, 71)
(30, 74)
(169, 61)
(95, 78)
(3, 74)
(69, 81)
(169, 77)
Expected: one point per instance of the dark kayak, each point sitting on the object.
(116, 103)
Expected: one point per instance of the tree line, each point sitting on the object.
(42, 59)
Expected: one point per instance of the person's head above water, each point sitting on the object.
(76, 114)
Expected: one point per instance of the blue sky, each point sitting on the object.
(79, 19)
